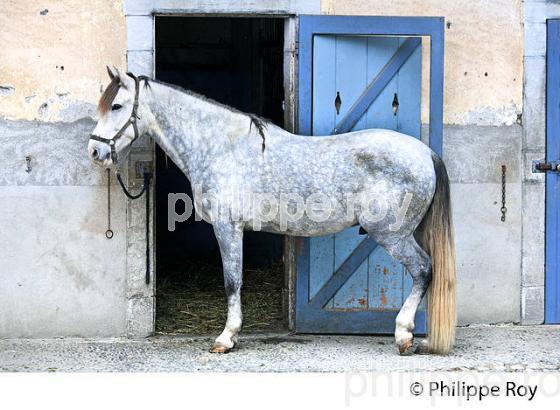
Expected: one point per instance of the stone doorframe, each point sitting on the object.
(140, 46)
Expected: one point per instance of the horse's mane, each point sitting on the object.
(260, 125)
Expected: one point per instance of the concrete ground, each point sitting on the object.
(483, 348)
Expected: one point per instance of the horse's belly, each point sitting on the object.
(363, 199)
(307, 225)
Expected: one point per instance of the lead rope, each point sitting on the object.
(109, 232)
(146, 188)
(503, 209)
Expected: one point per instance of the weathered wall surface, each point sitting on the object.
(488, 250)
(54, 56)
(482, 109)
(60, 275)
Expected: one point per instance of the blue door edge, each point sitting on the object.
(552, 188)
(306, 319)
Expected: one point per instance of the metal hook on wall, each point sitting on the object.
(28, 163)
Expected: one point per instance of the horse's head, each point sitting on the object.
(120, 122)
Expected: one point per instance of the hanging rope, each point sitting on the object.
(109, 232)
(145, 189)
(128, 193)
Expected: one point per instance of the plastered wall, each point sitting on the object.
(54, 55)
(60, 275)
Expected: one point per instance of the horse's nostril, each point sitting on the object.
(95, 153)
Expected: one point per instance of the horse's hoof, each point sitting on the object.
(220, 348)
(422, 347)
(405, 349)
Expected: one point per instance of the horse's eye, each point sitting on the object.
(116, 107)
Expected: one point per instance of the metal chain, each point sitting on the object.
(503, 209)
(108, 232)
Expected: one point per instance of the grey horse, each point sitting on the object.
(390, 184)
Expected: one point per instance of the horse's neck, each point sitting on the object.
(192, 131)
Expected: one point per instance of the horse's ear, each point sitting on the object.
(113, 73)
(127, 80)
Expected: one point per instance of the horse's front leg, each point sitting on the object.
(230, 239)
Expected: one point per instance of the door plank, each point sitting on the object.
(347, 268)
(409, 92)
(380, 113)
(351, 80)
(354, 293)
(324, 89)
(356, 112)
(386, 281)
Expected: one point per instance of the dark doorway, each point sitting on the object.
(238, 62)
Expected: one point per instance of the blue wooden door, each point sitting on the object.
(552, 280)
(345, 282)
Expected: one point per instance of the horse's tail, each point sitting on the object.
(436, 237)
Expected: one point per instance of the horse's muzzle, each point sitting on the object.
(98, 152)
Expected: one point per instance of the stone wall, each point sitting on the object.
(60, 275)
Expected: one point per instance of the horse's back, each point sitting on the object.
(352, 160)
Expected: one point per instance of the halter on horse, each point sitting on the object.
(131, 121)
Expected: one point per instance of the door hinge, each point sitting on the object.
(544, 166)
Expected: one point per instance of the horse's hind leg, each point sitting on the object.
(230, 239)
(407, 251)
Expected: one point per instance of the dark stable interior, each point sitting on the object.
(238, 62)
